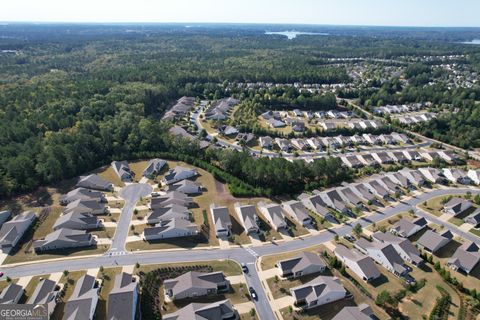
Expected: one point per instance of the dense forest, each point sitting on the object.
(73, 97)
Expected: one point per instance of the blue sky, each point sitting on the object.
(345, 12)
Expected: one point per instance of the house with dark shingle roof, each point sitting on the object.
(11, 294)
(406, 228)
(94, 182)
(86, 206)
(196, 284)
(361, 312)
(82, 194)
(473, 218)
(186, 186)
(4, 216)
(123, 299)
(303, 264)
(82, 303)
(297, 211)
(384, 254)
(64, 239)
(12, 231)
(319, 291)
(362, 265)
(403, 246)
(154, 167)
(315, 204)
(220, 310)
(179, 173)
(172, 228)
(274, 214)
(457, 206)
(248, 217)
(432, 241)
(167, 213)
(171, 198)
(221, 220)
(122, 169)
(77, 221)
(465, 258)
(46, 292)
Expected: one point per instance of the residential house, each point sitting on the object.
(382, 158)
(401, 180)
(122, 169)
(384, 254)
(77, 221)
(154, 167)
(11, 294)
(13, 230)
(123, 298)
(351, 197)
(245, 138)
(196, 284)
(283, 144)
(180, 109)
(449, 156)
(297, 211)
(413, 155)
(266, 142)
(352, 161)
(334, 200)
(402, 246)
(474, 175)
(368, 160)
(186, 186)
(389, 184)
(173, 228)
(248, 217)
(220, 310)
(47, 292)
(178, 131)
(432, 241)
(319, 291)
(377, 189)
(221, 220)
(406, 228)
(4, 216)
(399, 157)
(171, 198)
(228, 131)
(361, 265)
(457, 206)
(328, 126)
(401, 137)
(457, 176)
(301, 265)
(167, 213)
(179, 173)
(363, 192)
(64, 239)
(275, 123)
(94, 182)
(414, 176)
(433, 175)
(360, 312)
(82, 194)
(274, 214)
(315, 204)
(473, 218)
(299, 144)
(86, 206)
(82, 303)
(315, 143)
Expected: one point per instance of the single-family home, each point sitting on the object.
(301, 265)
(95, 182)
(64, 239)
(299, 144)
(86, 206)
(221, 220)
(377, 189)
(81, 194)
(382, 157)
(266, 142)
(399, 157)
(319, 291)
(275, 123)
(315, 204)
(361, 312)
(457, 176)
(334, 200)
(315, 143)
(433, 175)
(154, 167)
(432, 241)
(384, 254)
(248, 217)
(82, 303)
(328, 126)
(171, 198)
(13, 230)
(403, 246)
(220, 310)
(352, 161)
(77, 221)
(368, 160)
(473, 218)
(465, 258)
(401, 180)
(474, 175)
(11, 294)
(274, 214)
(173, 228)
(351, 197)
(457, 206)
(361, 265)
(283, 144)
(414, 176)
(406, 228)
(4, 216)
(186, 186)
(46, 292)
(123, 298)
(297, 211)
(167, 213)
(413, 155)
(122, 169)
(179, 173)
(196, 284)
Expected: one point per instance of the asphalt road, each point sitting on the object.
(238, 254)
(131, 194)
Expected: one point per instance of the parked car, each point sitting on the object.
(244, 268)
(253, 294)
(349, 237)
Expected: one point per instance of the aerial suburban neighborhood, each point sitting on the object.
(240, 171)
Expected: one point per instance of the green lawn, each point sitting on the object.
(229, 267)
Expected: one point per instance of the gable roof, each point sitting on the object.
(364, 263)
(433, 241)
(82, 299)
(64, 238)
(315, 289)
(301, 261)
(404, 227)
(154, 166)
(11, 231)
(221, 217)
(362, 312)
(121, 300)
(466, 257)
(297, 208)
(193, 279)
(44, 292)
(10, 293)
(202, 311)
(94, 181)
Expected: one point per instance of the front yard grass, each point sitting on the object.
(70, 280)
(108, 276)
(269, 262)
(228, 267)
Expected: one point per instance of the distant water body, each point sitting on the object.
(293, 34)
(474, 41)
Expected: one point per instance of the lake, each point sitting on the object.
(293, 34)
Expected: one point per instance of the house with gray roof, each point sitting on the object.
(406, 228)
(413, 155)
(360, 312)
(94, 182)
(220, 310)
(11, 294)
(82, 194)
(186, 186)
(389, 184)
(473, 218)
(384, 254)
(414, 176)
(283, 144)
(319, 291)
(180, 108)
(86, 206)
(433, 175)
(77, 221)
(171, 198)
(248, 217)
(377, 189)
(363, 192)
(360, 264)
(274, 214)
(474, 175)
(315, 143)
(303, 264)
(368, 160)
(122, 169)
(403, 246)
(167, 213)
(4, 216)
(351, 197)
(83, 301)
(179, 173)
(154, 167)
(46, 292)
(316, 204)
(13, 230)
(196, 284)
(64, 239)
(123, 298)
(221, 220)
(173, 228)
(296, 210)
(399, 157)
(401, 180)
(383, 158)
(457, 176)
(457, 206)
(465, 258)
(432, 241)
(275, 123)
(334, 200)
(352, 161)
(266, 142)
